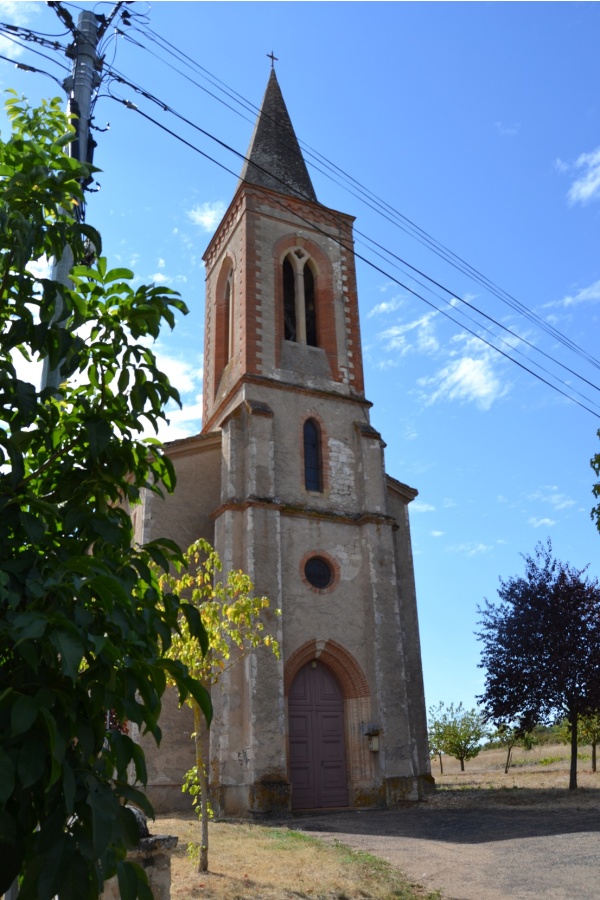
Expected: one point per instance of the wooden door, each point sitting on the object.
(316, 730)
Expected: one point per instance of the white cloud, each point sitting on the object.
(186, 376)
(159, 278)
(420, 507)
(207, 215)
(386, 306)
(469, 549)
(40, 268)
(589, 294)
(436, 533)
(468, 380)
(182, 422)
(538, 523)
(420, 330)
(587, 186)
(17, 13)
(552, 496)
(161, 263)
(449, 503)
(506, 130)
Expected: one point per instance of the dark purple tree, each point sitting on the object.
(541, 648)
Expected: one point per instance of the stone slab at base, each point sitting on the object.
(407, 789)
(153, 854)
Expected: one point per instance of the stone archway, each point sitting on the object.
(316, 739)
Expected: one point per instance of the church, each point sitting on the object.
(287, 481)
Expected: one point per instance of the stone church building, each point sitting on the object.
(287, 481)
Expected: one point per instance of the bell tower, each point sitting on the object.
(287, 481)
(306, 507)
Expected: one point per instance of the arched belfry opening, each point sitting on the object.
(299, 299)
(317, 755)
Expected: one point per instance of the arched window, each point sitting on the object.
(313, 480)
(289, 301)
(299, 299)
(228, 329)
(310, 309)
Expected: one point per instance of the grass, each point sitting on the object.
(251, 861)
(255, 862)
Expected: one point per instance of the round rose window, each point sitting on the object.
(318, 572)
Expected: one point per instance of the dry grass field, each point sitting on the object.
(539, 776)
(257, 862)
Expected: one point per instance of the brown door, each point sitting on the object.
(317, 756)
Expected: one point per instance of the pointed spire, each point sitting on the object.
(274, 158)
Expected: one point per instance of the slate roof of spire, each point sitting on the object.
(274, 158)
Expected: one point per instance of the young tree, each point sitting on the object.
(82, 631)
(541, 648)
(233, 622)
(510, 736)
(595, 464)
(435, 735)
(588, 732)
(456, 731)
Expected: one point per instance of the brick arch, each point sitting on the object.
(221, 336)
(323, 271)
(341, 662)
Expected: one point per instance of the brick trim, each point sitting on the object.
(325, 300)
(261, 380)
(332, 562)
(341, 662)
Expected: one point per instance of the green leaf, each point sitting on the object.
(70, 648)
(197, 629)
(104, 808)
(133, 882)
(7, 776)
(118, 275)
(24, 713)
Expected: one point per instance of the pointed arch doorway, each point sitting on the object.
(316, 733)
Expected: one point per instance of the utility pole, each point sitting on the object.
(80, 86)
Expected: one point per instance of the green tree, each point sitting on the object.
(588, 732)
(456, 731)
(233, 621)
(541, 648)
(84, 624)
(511, 736)
(595, 464)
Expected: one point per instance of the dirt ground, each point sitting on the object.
(483, 835)
(489, 836)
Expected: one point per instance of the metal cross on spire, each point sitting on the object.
(273, 58)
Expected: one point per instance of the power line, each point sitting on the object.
(380, 250)
(367, 261)
(370, 199)
(454, 294)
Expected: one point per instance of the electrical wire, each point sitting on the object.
(18, 43)
(367, 261)
(374, 246)
(454, 294)
(27, 68)
(376, 203)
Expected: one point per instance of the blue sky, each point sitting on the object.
(479, 122)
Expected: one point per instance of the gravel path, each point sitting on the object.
(479, 853)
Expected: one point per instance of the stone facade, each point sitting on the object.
(242, 484)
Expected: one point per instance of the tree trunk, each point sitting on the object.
(573, 771)
(593, 756)
(462, 765)
(508, 756)
(441, 766)
(203, 858)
